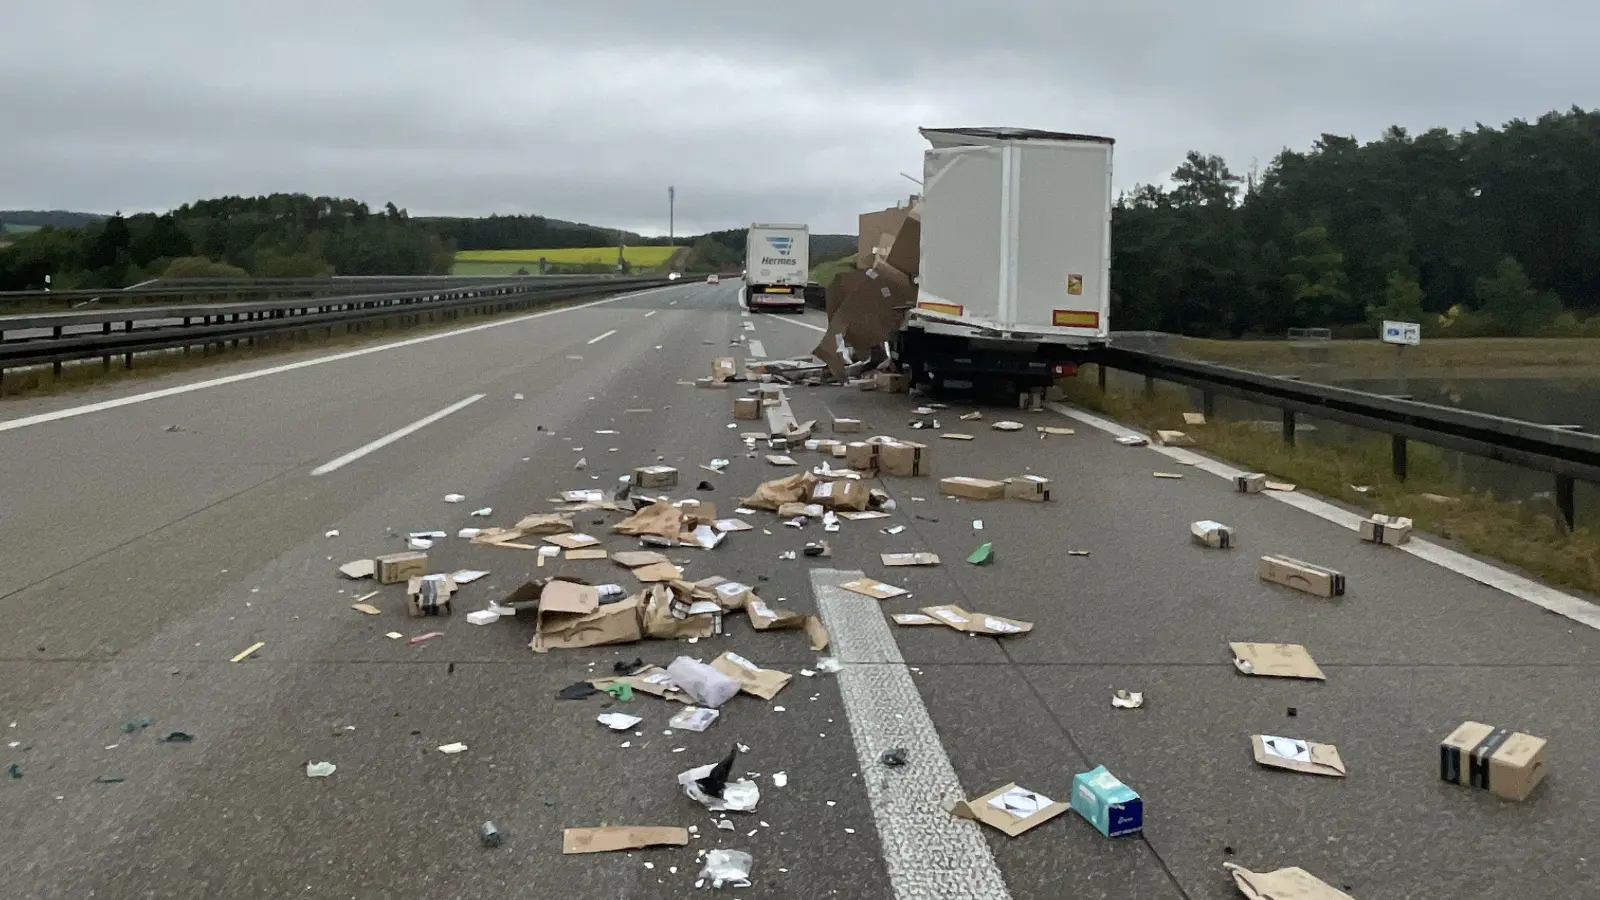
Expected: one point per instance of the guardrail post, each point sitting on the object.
(1397, 454)
(127, 358)
(1564, 502)
(1149, 387)
(1208, 405)
(1288, 427)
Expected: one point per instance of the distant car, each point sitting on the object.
(713, 279)
(674, 276)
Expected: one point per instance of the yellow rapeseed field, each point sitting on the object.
(647, 257)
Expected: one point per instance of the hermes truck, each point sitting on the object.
(777, 263)
(1014, 279)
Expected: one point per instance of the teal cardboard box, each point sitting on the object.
(1110, 806)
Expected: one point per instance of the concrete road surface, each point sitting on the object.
(154, 530)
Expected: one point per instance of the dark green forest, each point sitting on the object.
(1492, 231)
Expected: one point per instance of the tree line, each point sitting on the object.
(1489, 231)
(276, 236)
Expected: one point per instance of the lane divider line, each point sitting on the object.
(928, 853)
(103, 405)
(1543, 596)
(600, 337)
(651, 313)
(391, 437)
(758, 350)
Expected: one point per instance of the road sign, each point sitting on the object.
(1403, 333)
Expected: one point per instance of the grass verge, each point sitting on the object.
(1431, 496)
(824, 272)
(87, 374)
(1434, 356)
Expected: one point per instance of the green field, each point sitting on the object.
(646, 257)
(823, 273)
(16, 231)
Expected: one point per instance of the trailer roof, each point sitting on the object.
(953, 137)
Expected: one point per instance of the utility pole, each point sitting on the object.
(672, 209)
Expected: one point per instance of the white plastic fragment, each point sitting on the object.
(483, 617)
(320, 769)
(418, 543)
(727, 867)
(484, 513)
(454, 498)
(453, 748)
(332, 532)
(780, 779)
(1127, 699)
(618, 721)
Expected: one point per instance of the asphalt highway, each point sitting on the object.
(154, 529)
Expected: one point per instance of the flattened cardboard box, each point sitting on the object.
(763, 683)
(723, 368)
(393, 568)
(746, 408)
(1381, 529)
(621, 837)
(1505, 763)
(1035, 488)
(972, 488)
(1317, 580)
(769, 618)
(1308, 757)
(1283, 884)
(863, 456)
(909, 559)
(614, 623)
(877, 590)
(903, 458)
(977, 622)
(1275, 660)
(1011, 810)
(655, 476)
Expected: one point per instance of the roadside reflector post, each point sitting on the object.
(1100, 372)
(1208, 405)
(1397, 452)
(1149, 387)
(1564, 502)
(1288, 427)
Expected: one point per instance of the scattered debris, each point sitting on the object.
(1171, 475)
(877, 590)
(1007, 425)
(610, 838)
(1297, 755)
(895, 758)
(729, 868)
(1275, 661)
(1133, 440)
(488, 834)
(1127, 699)
(1113, 808)
(358, 569)
(618, 721)
(247, 652)
(982, 556)
(909, 559)
(454, 498)
(1010, 810)
(976, 623)
(705, 685)
(694, 718)
(423, 638)
(1251, 483)
(710, 787)
(1047, 430)
(320, 769)
(452, 749)
(1302, 576)
(578, 690)
(1279, 486)
(1174, 439)
(1288, 884)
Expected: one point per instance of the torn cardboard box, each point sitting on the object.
(846, 426)
(768, 618)
(671, 614)
(393, 568)
(633, 559)
(1381, 529)
(1275, 660)
(571, 617)
(429, 595)
(1213, 534)
(893, 382)
(655, 476)
(620, 837)
(657, 572)
(844, 494)
(1011, 810)
(972, 488)
(1297, 755)
(771, 495)
(746, 408)
(660, 518)
(877, 590)
(754, 680)
(1174, 439)
(1505, 763)
(861, 455)
(572, 541)
(723, 368)
(976, 622)
(1283, 884)
(1302, 576)
(1035, 488)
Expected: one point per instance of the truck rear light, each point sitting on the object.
(1064, 370)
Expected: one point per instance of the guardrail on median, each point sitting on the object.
(1561, 450)
(72, 336)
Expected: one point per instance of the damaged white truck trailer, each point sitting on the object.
(1000, 279)
(1015, 264)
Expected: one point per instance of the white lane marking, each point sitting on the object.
(1542, 596)
(393, 436)
(745, 313)
(651, 313)
(758, 350)
(86, 409)
(929, 854)
(802, 323)
(600, 337)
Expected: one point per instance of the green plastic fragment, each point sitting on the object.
(623, 692)
(983, 555)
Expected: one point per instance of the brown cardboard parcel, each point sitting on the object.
(1275, 660)
(723, 368)
(429, 595)
(1283, 884)
(977, 623)
(393, 568)
(842, 494)
(972, 488)
(655, 476)
(746, 408)
(1505, 763)
(903, 458)
(769, 618)
(1028, 487)
(1302, 576)
(909, 559)
(846, 426)
(1382, 529)
(754, 680)
(1010, 810)
(871, 305)
(861, 455)
(673, 612)
(1296, 755)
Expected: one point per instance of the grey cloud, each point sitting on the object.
(754, 110)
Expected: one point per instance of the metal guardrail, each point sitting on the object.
(165, 291)
(103, 334)
(1561, 450)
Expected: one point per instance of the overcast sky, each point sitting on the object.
(756, 111)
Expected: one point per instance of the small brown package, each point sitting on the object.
(1302, 576)
(972, 488)
(1505, 763)
(394, 568)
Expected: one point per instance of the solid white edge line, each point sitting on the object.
(1543, 596)
(86, 409)
(393, 436)
(928, 853)
(600, 337)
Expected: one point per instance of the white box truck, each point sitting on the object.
(777, 263)
(1014, 281)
